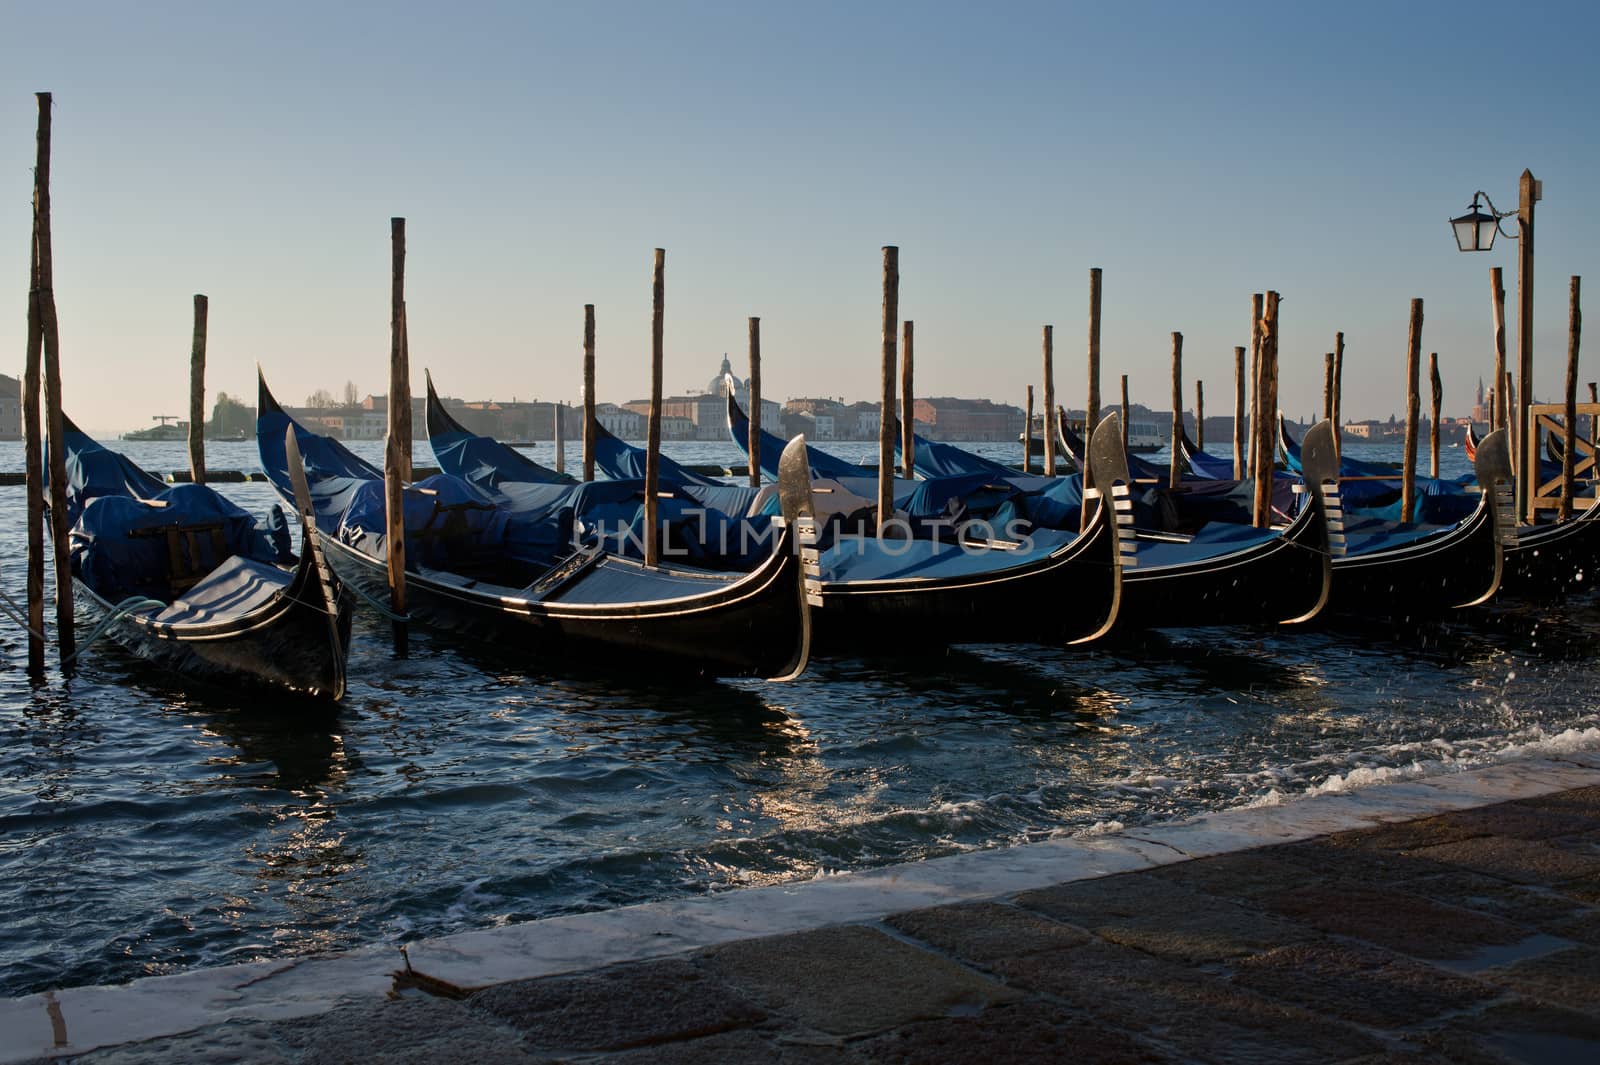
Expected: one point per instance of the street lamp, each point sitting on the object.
(1475, 231)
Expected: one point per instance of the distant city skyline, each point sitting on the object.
(1196, 154)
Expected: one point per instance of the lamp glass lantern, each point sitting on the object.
(1475, 230)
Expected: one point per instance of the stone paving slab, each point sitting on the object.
(1460, 924)
(665, 1001)
(853, 981)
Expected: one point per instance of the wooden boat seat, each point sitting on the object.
(187, 559)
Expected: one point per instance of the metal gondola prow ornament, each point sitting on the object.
(794, 500)
(1319, 463)
(1107, 470)
(1492, 466)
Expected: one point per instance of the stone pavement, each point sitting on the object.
(1468, 937)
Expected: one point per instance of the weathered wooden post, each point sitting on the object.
(652, 458)
(1027, 435)
(588, 392)
(1124, 414)
(1091, 414)
(1266, 337)
(754, 399)
(1500, 415)
(1594, 419)
(1408, 475)
(1200, 414)
(1530, 191)
(66, 643)
(1433, 421)
(908, 417)
(197, 393)
(1327, 386)
(33, 461)
(1258, 412)
(1338, 393)
(558, 411)
(1569, 455)
(395, 465)
(891, 320)
(1512, 438)
(1239, 463)
(1175, 467)
(1049, 411)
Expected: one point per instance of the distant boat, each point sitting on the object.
(1144, 437)
(170, 430)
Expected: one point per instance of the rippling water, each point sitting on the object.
(145, 830)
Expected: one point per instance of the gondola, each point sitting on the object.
(182, 578)
(913, 594)
(460, 451)
(593, 608)
(1203, 465)
(1231, 574)
(1415, 569)
(1551, 558)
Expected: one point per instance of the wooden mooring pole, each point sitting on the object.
(1124, 413)
(1437, 386)
(1092, 406)
(1027, 435)
(1200, 414)
(1238, 414)
(1500, 416)
(1175, 467)
(197, 393)
(1258, 414)
(33, 461)
(1569, 455)
(908, 418)
(1530, 191)
(1408, 474)
(1512, 437)
(1594, 419)
(1266, 338)
(753, 434)
(652, 457)
(54, 424)
(1049, 411)
(589, 392)
(558, 411)
(891, 321)
(395, 464)
(1338, 393)
(1327, 386)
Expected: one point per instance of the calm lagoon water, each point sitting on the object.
(145, 830)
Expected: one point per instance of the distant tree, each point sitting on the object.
(351, 396)
(230, 418)
(320, 399)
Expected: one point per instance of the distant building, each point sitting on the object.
(10, 408)
(620, 422)
(950, 418)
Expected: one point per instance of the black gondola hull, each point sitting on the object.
(756, 626)
(1286, 579)
(1550, 561)
(1069, 596)
(291, 645)
(1461, 568)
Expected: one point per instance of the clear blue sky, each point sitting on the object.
(1196, 152)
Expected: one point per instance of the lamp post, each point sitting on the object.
(1475, 231)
